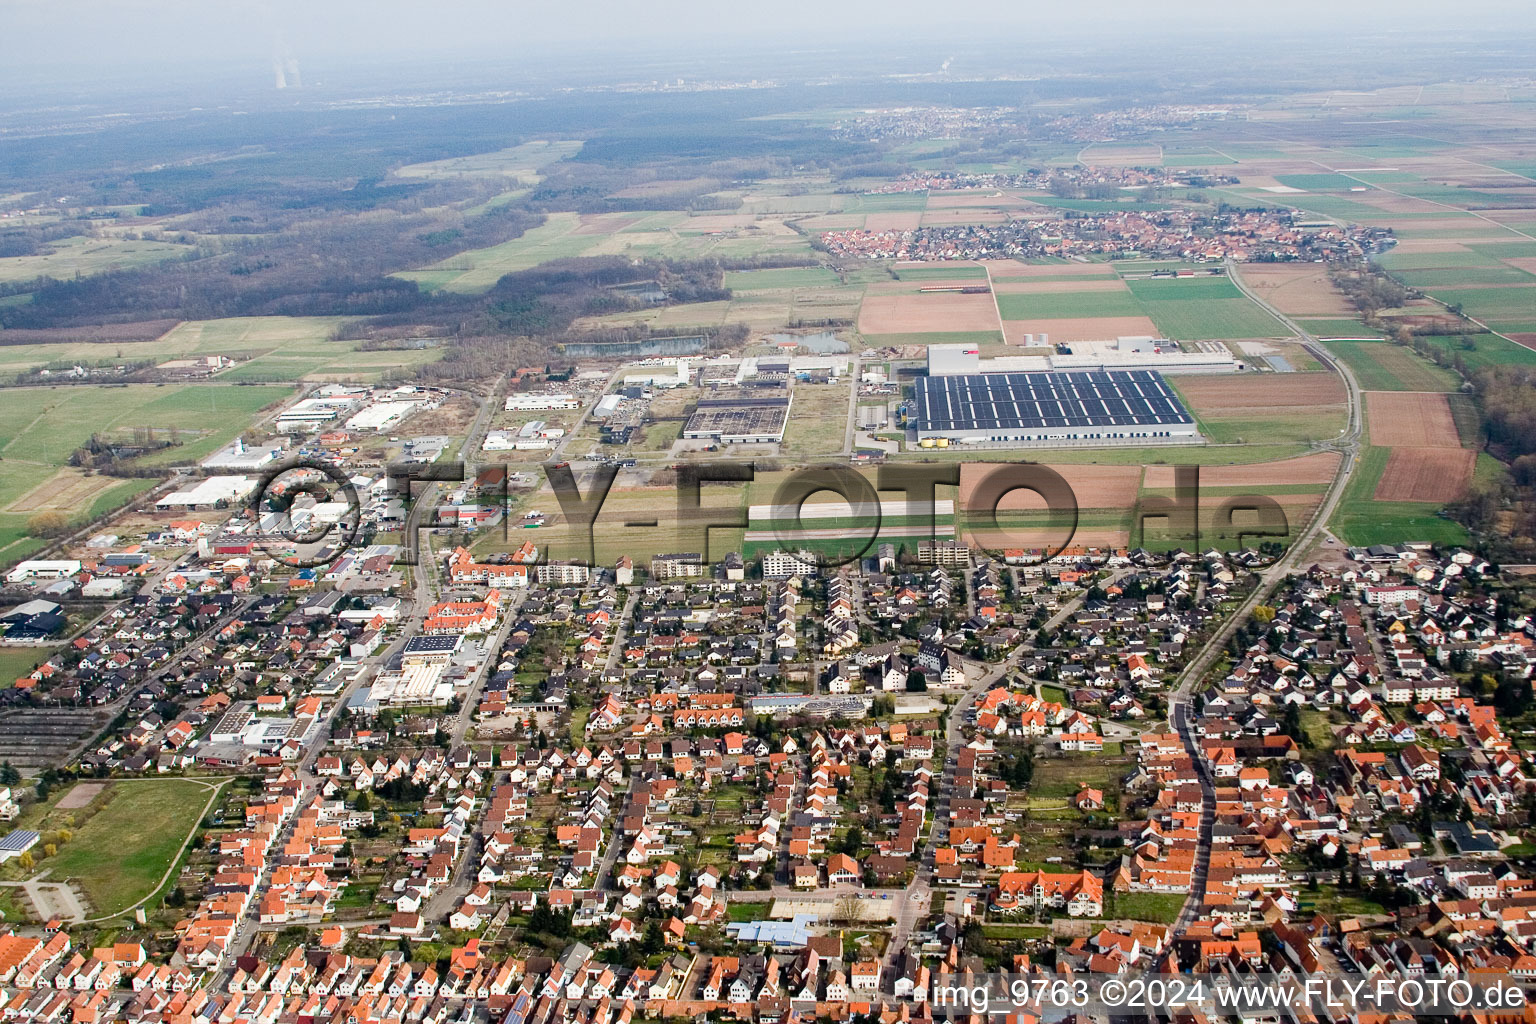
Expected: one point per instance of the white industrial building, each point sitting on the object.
(209, 492)
(1132, 352)
(535, 403)
(381, 415)
(42, 569)
(316, 411)
(671, 374)
(239, 457)
(1094, 408)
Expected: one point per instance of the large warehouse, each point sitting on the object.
(734, 418)
(1094, 408)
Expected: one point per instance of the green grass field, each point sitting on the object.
(786, 277)
(636, 235)
(885, 202)
(1383, 366)
(1157, 907)
(269, 348)
(1183, 309)
(1318, 182)
(1361, 520)
(1486, 350)
(119, 854)
(1205, 319)
(1337, 327)
(1170, 289)
(1500, 303)
(1067, 305)
(1457, 277)
(16, 662)
(940, 272)
(74, 257)
(1408, 261)
(41, 427)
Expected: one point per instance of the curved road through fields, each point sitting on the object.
(1180, 710)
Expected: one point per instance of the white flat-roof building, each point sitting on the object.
(209, 492)
(43, 569)
(533, 403)
(499, 441)
(381, 415)
(239, 457)
(312, 412)
(1132, 352)
(672, 374)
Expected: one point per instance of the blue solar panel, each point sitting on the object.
(1033, 401)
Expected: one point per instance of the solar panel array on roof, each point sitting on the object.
(432, 644)
(18, 840)
(1036, 401)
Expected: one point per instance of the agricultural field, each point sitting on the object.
(41, 427)
(1095, 308)
(884, 313)
(267, 348)
(1297, 290)
(1361, 519)
(818, 419)
(1264, 407)
(1413, 420)
(1069, 305)
(1383, 366)
(79, 256)
(1438, 475)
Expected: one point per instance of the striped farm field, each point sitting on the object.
(1410, 420)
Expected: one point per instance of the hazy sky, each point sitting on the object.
(151, 36)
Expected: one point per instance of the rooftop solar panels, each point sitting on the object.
(432, 644)
(18, 840)
(990, 402)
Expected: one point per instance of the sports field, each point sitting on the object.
(135, 826)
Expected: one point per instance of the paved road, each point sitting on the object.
(1181, 715)
(913, 905)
